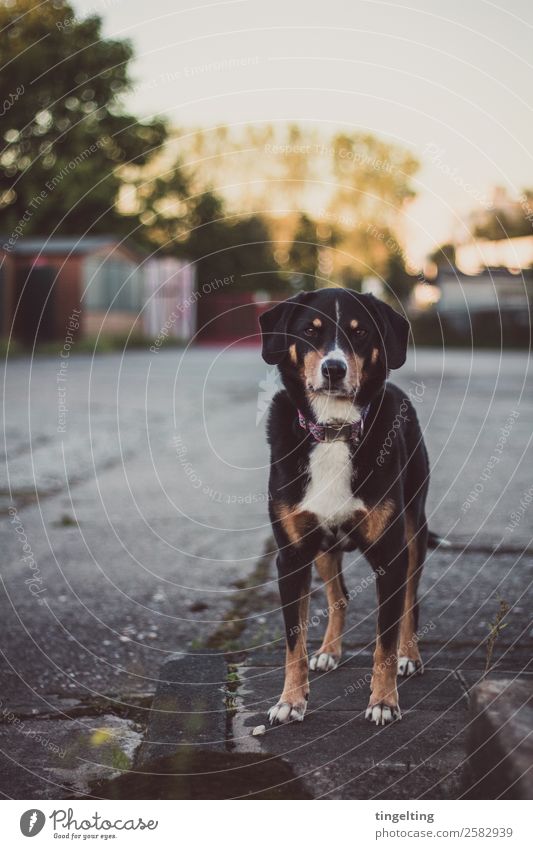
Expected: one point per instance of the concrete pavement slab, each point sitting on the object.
(189, 708)
(500, 742)
(53, 759)
(348, 687)
(151, 520)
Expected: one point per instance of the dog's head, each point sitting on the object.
(335, 344)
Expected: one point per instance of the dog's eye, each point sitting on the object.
(360, 332)
(310, 331)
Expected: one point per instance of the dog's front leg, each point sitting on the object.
(294, 577)
(391, 575)
(329, 567)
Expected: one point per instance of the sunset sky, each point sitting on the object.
(450, 80)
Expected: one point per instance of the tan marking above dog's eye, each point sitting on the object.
(317, 322)
(354, 323)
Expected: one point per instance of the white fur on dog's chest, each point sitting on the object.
(329, 493)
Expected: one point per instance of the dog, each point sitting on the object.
(349, 470)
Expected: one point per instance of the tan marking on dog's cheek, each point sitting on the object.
(375, 355)
(355, 370)
(297, 525)
(377, 520)
(311, 366)
(292, 353)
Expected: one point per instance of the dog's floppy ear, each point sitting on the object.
(395, 333)
(274, 324)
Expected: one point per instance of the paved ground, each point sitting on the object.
(143, 525)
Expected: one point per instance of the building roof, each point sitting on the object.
(514, 253)
(73, 245)
(496, 273)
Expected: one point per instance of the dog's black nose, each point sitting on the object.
(333, 370)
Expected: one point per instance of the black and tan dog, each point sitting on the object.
(349, 470)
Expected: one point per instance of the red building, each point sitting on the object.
(43, 281)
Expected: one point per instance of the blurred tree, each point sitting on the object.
(399, 281)
(65, 132)
(373, 176)
(248, 247)
(499, 225)
(162, 200)
(443, 256)
(238, 246)
(511, 222)
(294, 164)
(182, 218)
(373, 185)
(330, 205)
(303, 254)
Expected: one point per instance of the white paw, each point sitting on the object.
(382, 714)
(285, 712)
(407, 667)
(323, 662)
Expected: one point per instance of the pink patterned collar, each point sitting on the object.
(333, 433)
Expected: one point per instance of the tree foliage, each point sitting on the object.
(65, 134)
(443, 256)
(507, 222)
(293, 207)
(303, 255)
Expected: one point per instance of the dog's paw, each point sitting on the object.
(382, 714)
(285, 712)
(323, 662)
(409, 666)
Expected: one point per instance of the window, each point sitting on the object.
(113, 283)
